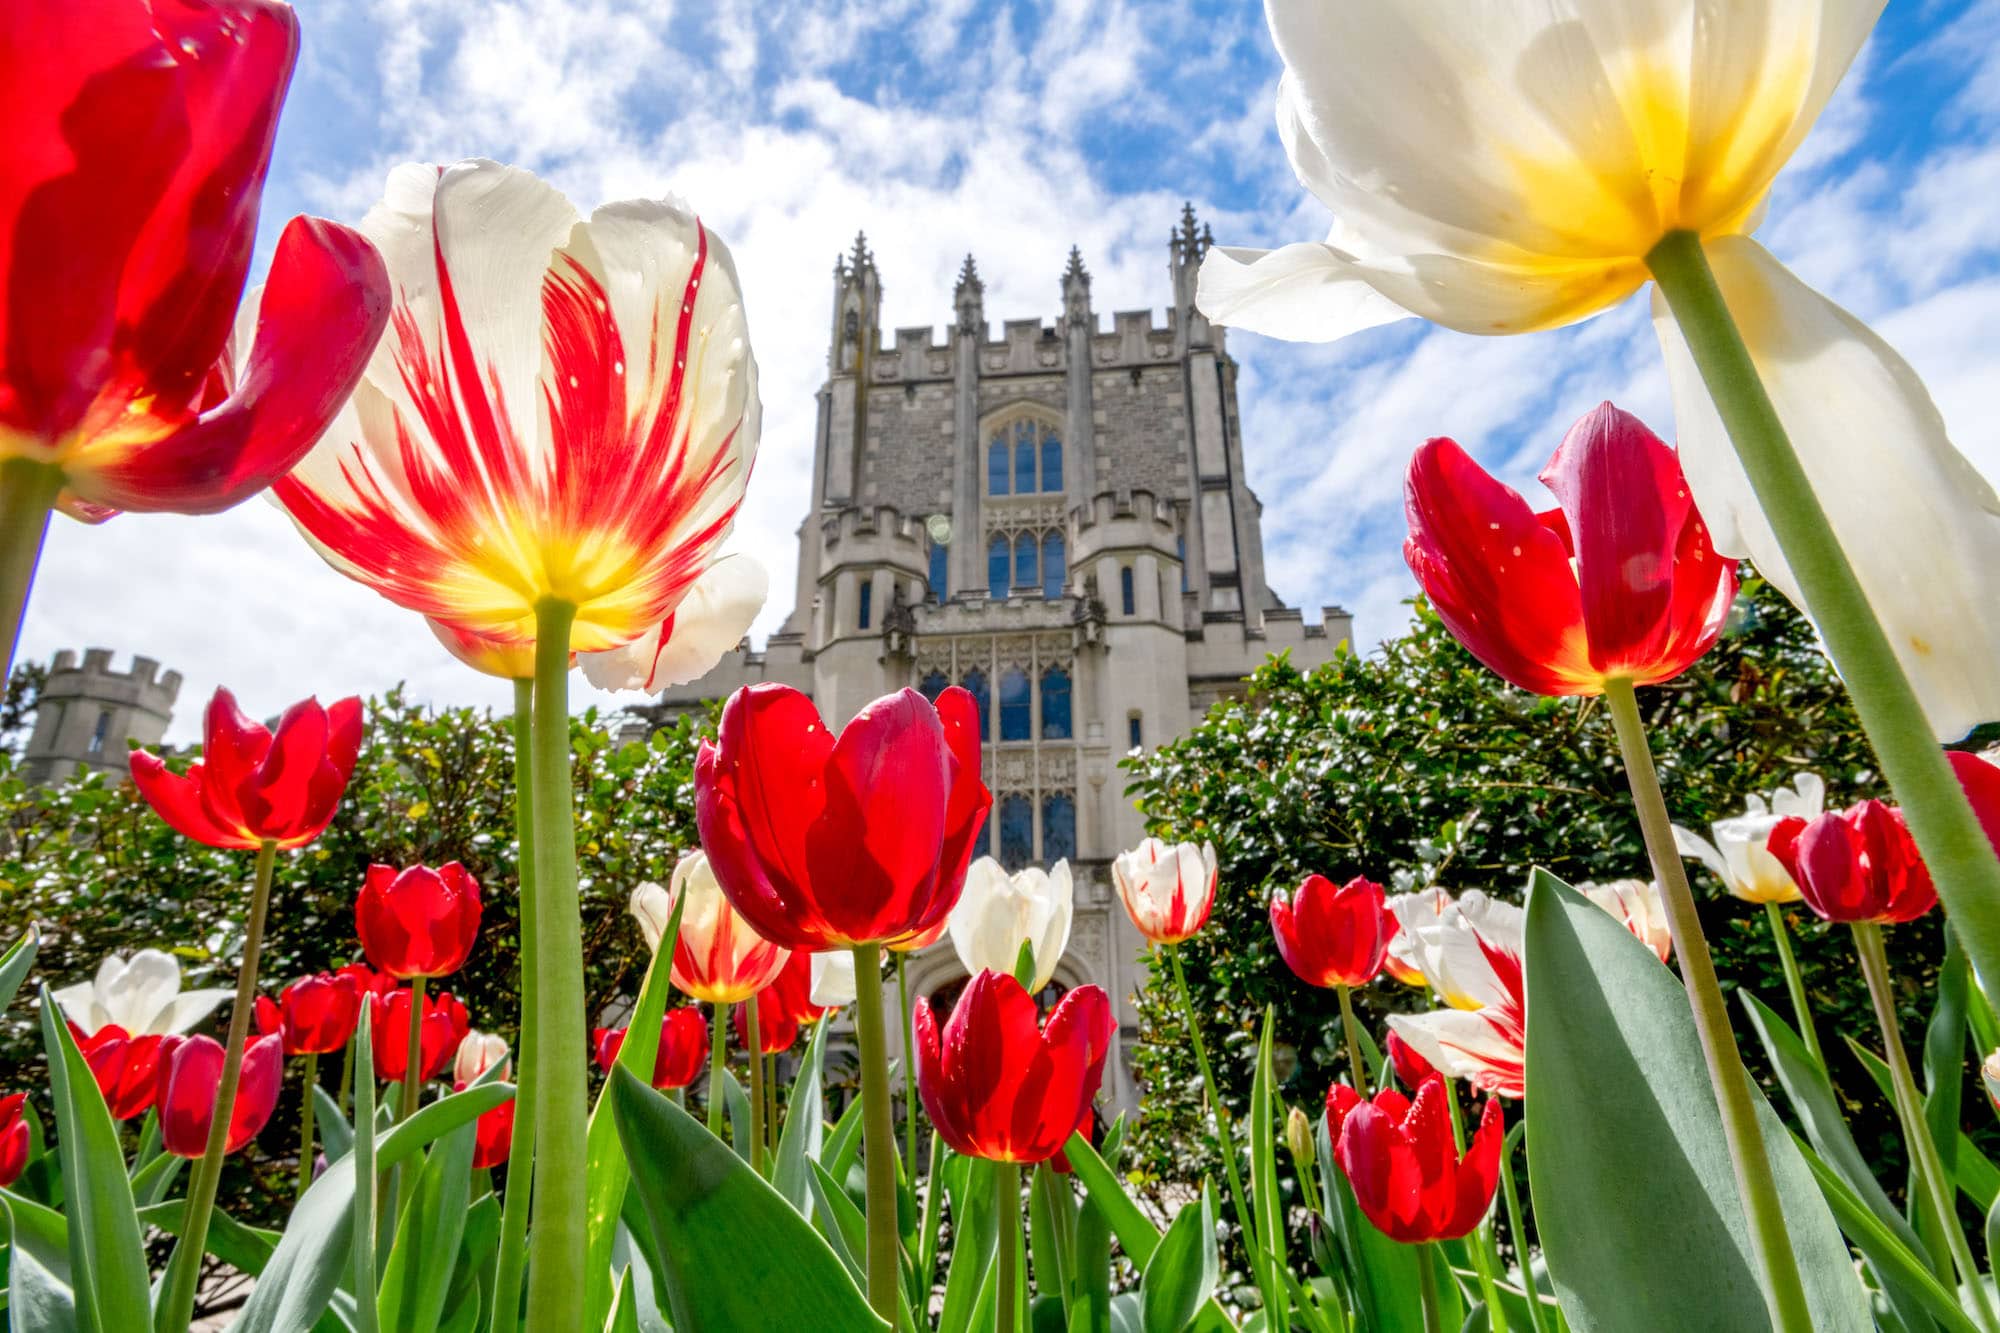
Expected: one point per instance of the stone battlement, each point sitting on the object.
(67, 678)
(1025, 346)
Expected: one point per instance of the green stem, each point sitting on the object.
(718, 1047)
(306, 1087)
(557, 1021)
(1427, 1283)
(1007, 1231)
(756, 1085)
(1518, 1229)
(1479, 1245)
(1795, 982)
(878, 1132)
(346, 1073)
(1961, 859)
(366, 1317)
(1783, 1290)
(513, 1257)
(1939, 1193)
(177, 1286)
(28, 492)
(927, 1238)
(413, 1060)
(1215, 1105)
(904, 1043)
(1352, 1028)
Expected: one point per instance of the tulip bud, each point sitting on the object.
(1299, 1138)
(653, 907)
(14, 1138)
(476, 1054)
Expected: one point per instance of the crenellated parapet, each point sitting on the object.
(88, 713)
(1135, 338)
(1124, 521)
(874, 535)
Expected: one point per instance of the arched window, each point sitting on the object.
(997, 568)
(975, 685)
(1055, 564)
(939, 573)
(932, 685)
(1015, 706)
(1058, 827)
(1127, 599)
(1051, 461)
(1017, 831)
(1055, 704)
(1024, 561)
(867, 604)
(996, 466)
(1024, 459)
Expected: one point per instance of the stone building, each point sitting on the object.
(88, 716)
(1055, 518)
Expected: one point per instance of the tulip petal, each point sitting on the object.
(1882, 465)
(276, 794)
(1306, 292)
(176, 798)
(887, 784)
(710, 621)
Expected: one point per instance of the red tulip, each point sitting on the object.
(822, 843)
(1086, 1125)
(443, 1027)
(1620, 581)
(315, 1014)
(1333, 937)
(683, 1053)
(190, 1074)
(1412, 1070)
(251, 785)
(138, 136)
(782, 1007)
(1407, 1176)
(126, 1068)
(999, 1086)
(418, 922)
(13, 1138)
(1857, 864)
(365, 980)
(493, 1133)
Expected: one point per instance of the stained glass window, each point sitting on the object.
(1127, 598)
(996, 466)
(1055, 704)
(939, 575)
(1051, 462)
(1017, 831)
(1058, 827)
(1024, 459)
(932, 685)
(975, 685)
(997, 567)
(867, 604)
(1024, 561)
(1055, 564)
(1015, 706)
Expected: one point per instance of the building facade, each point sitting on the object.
(88, 716)
(1055, 518)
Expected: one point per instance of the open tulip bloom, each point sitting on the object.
(141, 996)
(718, 957)
(683, 1050)
(999, 912)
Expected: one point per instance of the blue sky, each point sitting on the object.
(1011, 131)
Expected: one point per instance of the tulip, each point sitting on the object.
(718, 956)
(1411, 1068)
(709, 622)
(833, 979)
(314, 1015)
(14, 1138)
(784, 1005)
(683, 1050)
(998, 913)
(1471, 955)
(190, 1071)
(418, 922)
(252, 786)
(509, 659)
(141, 996)
(1332, 937)
(1739, 855)
(1620, 582)
(478, 1052)
(1405, 909)
(441, 1029)
(493, 1133)
(1408, 1178)
(1000, 1086)
(822, 843)
(1636, 903)
(1168, 891)
(126, 1068)
(1856, 865)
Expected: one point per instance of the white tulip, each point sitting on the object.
(476, 1054)
(999, 912)
(1636, 903)
(833, 979)
(141, 995)
(1738, 855)
(653, 907)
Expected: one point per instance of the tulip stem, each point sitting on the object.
(878, 1132)
(1783, 1290)
(1519, 1231)
(513, 1254)
(1961, 859)
(1427, 1285)
(366, 1195)
(909, 1087)
(1795, 982)
(413, 1059)
(177, 1285)
(556, 1023)
(1215, 1104)
(718, 1047)
(306, 1087)
(1007, 1234)
(1352, 1028)
(1940, 1195)
(756, 1045)
(1479, 1246)
(28, 492)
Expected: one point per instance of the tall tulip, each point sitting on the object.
(190, 1072)
(1397, 1153)
(141, 995)
(1335, 938)
(314, 1015)
(418, 922)
(14, 1138)
(138, 136)
(998, 913)
(477, 1052)
(1408, 910)
(125, 1067)
(1471, 955)
(1636, 904)
(1168, 890)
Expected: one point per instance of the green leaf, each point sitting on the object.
(970, 1183)
(244, 1248)
(1091, 1311)
(417, 1277)
(624, 1316)
(151, 1182)
(1181, 1275)
(107, 1259)
(839, 1221)
(1052, 1233)
(467, 1304)
(37, 1300)
(1134, 1230)
(1944, 1073)
(1896, 1263)
(734, 1253)
(1978, 1178)
(804, 1134)
(1264, 1183)
(14, 964)
(336, 1135)
(736, 1104)
(40, 1229)
(1626, 1138)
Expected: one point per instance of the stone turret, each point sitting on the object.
(89, 715)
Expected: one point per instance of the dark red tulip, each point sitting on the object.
(1620, 581)
(493, 1133)
(1000, 1086)
(1408, 1177)
(782, 1007)
(1412, 1070)
(1854, 865)
(13, 1138)
(418, 922)
(138, 137)
(1333, 936)
(314, 1014)
(683, 1053)
(190, 1073)
(250, 785)
(443, 1027)
(127, 1068)
(823, 843)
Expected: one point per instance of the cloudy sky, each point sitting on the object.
(1012, 131)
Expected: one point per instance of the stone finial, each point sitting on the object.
(1189, 241)
(860, 258)
(1076, 289)
(969, 297)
